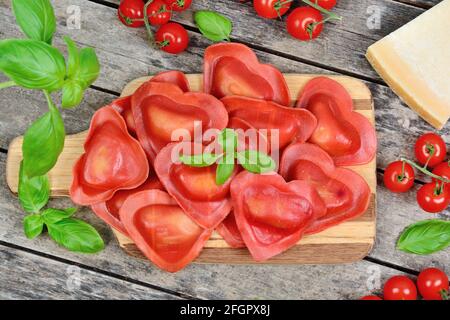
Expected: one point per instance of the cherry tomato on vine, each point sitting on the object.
(304, 23)
(271, 9)
(326, 4)
(433, 284)
(158, 13)
(178, 5)
(172, 38)
(442, 170)
(430, 148)
(131, 13)
(433, 198)
(399, 288)
(371, 297)
(399, 176)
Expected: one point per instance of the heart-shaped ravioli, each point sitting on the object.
(113, 160)
(271, 214)
(161, 230)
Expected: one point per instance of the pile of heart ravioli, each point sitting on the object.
(129, 177)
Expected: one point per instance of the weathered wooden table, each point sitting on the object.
(40, 269)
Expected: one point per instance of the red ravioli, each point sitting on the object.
(177, 78)
(345, 193)
(271, 214)
(346, 135)
(113, 160)
(161, 230)
(234, 69)
(293, 124)
(109, 211)
(230, 233)
(194, 188)
(159, 109)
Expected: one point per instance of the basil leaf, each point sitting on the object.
(228, 140)
(72, 94)
(199, 160)
(223, 172)
(43, 142)
(255, 161)
(32, 64)
(51, 216)
(73, 61)
(89, 68)
(213, 26)
(33, 192)
(33, 225)
(76, 235)
(36, 19)
(425, 237)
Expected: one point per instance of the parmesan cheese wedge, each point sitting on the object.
(415, 62)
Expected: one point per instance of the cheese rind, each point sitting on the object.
(415, 62)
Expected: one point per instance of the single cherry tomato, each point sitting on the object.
(430, 149)
(158, 13)
(172, 38)
(304, 23)
(400, 288)
(371, 297)
(433, 284)
(131, 13)
(433, 198)
(399, 176)
(178, 5)
(326, 4)
(271, 9)
(442, 170)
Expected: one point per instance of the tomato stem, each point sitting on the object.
(147, 23)
(330, 14)
(424, 170)
(7, 84)
(444, 294)
(431, 150)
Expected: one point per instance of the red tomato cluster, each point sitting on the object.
(131, 177)
(432, 284)
(303, 23)
(171, 37)
(431, 151)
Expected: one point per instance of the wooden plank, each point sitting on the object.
(349, 241)
(420, 3)
(223, 281)
(27, 276)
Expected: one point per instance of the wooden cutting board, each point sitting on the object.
(347, 242)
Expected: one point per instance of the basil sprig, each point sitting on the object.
(34, 64)
(213, 26)
(251, 160)
(425, 237)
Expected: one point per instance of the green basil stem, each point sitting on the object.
(7, 84)
(330, 14)
(147, 24)
(425, 170)
(50, 103)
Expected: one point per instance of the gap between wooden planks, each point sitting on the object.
(347, 242)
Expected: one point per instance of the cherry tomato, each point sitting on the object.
(432, 284)
(399, 176)
(304, 23)
(442, 170)
(131, 13)
(400, 288)
(271, 9)
(158, 13)
(172, 38)
(430, 148)
(326, 4)
(178, 5)
(372, 297)
(432, 198)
